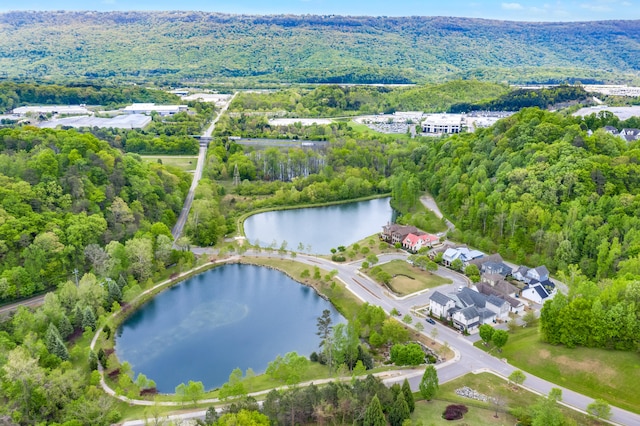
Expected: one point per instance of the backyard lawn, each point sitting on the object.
(599, 373)
(409, 279)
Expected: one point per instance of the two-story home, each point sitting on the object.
(413, 242)
(393, 233)
(463, 253)
(468, 309)
(526, 275)
(504, 291)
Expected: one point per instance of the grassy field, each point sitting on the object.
(482, 412)
(598, 373)
(409, 279)
(430, 414)
(183, 162)
(363, 129)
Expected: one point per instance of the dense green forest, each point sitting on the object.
(524, 98)
(70, 201)
(13, 95)
(171, 47)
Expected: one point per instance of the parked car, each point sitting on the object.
(430, 321)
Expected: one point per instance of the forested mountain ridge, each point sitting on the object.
(178, 46)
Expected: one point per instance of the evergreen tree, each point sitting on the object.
(408, 395)
(54, 343)
(93, 361)
(77, 317)
(88, 318)
(374, 415)
(399, 411)
(102, 357)
(113, 293)
(429, 383)
(65, 327)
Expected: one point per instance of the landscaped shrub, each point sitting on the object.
(338, 258)
(454, 412)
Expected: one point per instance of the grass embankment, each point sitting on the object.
(482, 413)
(343, 300)
(186, 163)
(598, 373)
(409, 279)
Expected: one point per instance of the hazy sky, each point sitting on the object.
(518, 10)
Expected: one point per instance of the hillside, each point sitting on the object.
(173, 47)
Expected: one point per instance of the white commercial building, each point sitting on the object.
(53, 109)
(443, 124)
(148, 108)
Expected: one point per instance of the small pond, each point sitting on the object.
(228, 317)
(319, 229)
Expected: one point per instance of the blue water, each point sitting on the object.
(233, 316)
(319, 229)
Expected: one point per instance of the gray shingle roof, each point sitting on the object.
(440, 298)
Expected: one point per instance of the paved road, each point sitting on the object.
(33, 302)
(184, 213)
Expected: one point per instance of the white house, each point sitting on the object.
(539, 292)
(439, 305)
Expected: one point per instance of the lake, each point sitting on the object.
(232, 316)
(319, 229)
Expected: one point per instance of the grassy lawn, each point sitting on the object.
(430, 413)
(409, 279)
(483, 412)
(598, 373)
(183, 162)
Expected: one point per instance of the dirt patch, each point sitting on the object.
(544, 354)
(605, 373)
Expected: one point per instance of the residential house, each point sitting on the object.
(539, 292)
(515, 305)
(496, 268)
(394, 233)
(440, 304)
(611, 130)
(630, 134)
(463, 253)
(468, 309)
(413, 242)
(526, 275)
